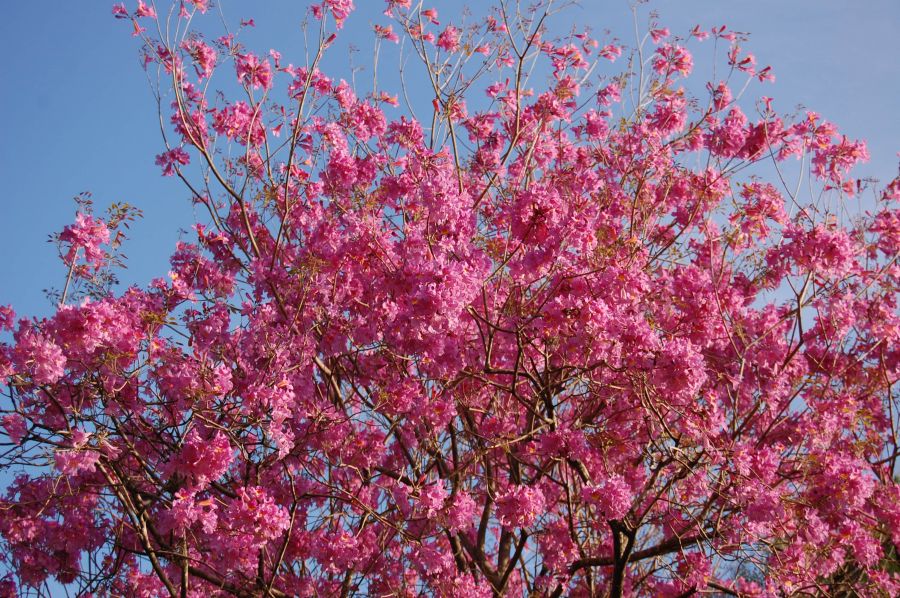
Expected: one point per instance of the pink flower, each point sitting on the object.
(672, 57)
(462, 511)
(595, 124)
(393, 4)
(567, 88)
(201, 5)
(608, 95)
(255, 511)
(75, 461)
(746, 64)
(340, 10)
(170, 159)
(431, 14)
(204, 459)
(694, 571)
(144, 10)
(721, 96)
(832, 161)
(449, 39)
(88, 234)
(679, 370)
(728, 139)
(611, 52)
(39, 355)
(241, 123)
(826, 250)
(344, 95)
(15, 426)
(520, 506)
(204, 57)
(186, 511)
(432, 498)
(119, 11)
(659, 34)
(612, 497)
(253, 72)
(698, 33)
(386, 33)
(366, 121)
(385, 97)
(763, 204)
(7, 317)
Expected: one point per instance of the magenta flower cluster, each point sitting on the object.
(540, 325)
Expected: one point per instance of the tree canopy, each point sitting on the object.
(550, 319)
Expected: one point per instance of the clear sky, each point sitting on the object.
(77, 114)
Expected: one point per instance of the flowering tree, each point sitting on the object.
(584, 336)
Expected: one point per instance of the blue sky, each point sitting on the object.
(78, 114)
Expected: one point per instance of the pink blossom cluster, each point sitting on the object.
(572, 334)
(87, 234)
